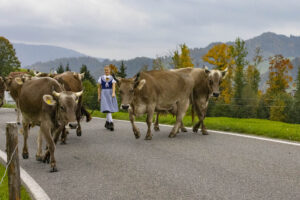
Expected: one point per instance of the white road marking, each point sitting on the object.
(230, 133)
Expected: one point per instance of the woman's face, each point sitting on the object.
(107, 71)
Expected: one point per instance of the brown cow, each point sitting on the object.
(72, 81)
(2, 90)
(155, 91)
(13, 84)
(44, 102)
(206, 84)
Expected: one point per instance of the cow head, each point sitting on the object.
(2, 90)
(214, 79)
(127, 88)
(66, 103)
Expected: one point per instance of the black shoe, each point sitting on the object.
(111, 126)
(107, 125)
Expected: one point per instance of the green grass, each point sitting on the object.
(4, 187)
(261, 127)
(9, 106)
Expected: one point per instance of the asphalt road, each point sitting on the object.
(114, 165)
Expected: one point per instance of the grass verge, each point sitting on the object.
(261, 127)
(4, 187)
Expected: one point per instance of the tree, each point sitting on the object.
(122, 71)
(87, 74)
(8, 59)
(239, 53)
(219, 55)
(90, 95)
(67, 68)
(144, 68)
(297, 99)
(60, 69)
(158, 64)
(185, 59)
(176, 60)
(279, 78)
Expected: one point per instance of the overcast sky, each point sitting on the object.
(123, 29)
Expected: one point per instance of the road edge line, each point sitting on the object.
(228, 133)
(31, 185)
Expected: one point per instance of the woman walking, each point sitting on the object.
(107, 97)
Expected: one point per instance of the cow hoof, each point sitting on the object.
(78, 132)
(39, 158)
(53, 169)
(89, 118)
(183, 129)
(172, 135)
(195, 129)
(137, 136)
(204, 132)
(156, 128)
(25, 155)
(148, 137)
(46, 159)
(63, 142)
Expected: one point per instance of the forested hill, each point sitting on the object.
(270, 44)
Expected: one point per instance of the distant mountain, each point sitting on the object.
(29, 54)
(94, 65)
(270, 44)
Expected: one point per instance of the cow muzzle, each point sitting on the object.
(216, 94)
(124, 107)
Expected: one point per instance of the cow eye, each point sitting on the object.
(210, 82)
(62, 108)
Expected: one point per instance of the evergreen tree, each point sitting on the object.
(67, 68)
(239, 53)
(122, 71)
(8, 59)
(87, 74)
(60, 69)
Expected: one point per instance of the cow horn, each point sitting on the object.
(81, 76)
(57, 94)
(137, 77)
(206, 69)
(224, 72)
(78, 94)
(116, 78)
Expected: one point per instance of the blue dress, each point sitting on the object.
(108, 104)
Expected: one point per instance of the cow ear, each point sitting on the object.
(48, 99)
(19, 81)
(81, 76)
(141, 84)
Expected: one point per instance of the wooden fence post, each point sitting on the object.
(14, 182)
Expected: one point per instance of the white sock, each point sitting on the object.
(109, 117)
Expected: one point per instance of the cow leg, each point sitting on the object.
(64, 135)
(57, 131)
(39, 153)
(86, 113)
(78, 130)
(25, 153)
(183, 129)
(136, 131)
(203, 128)
(18, 112)
(156, 124)
(181, 110)
(149, 123)
(51, 147)
(200, 107)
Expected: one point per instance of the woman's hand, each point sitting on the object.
(99, 98)
(113, 94)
